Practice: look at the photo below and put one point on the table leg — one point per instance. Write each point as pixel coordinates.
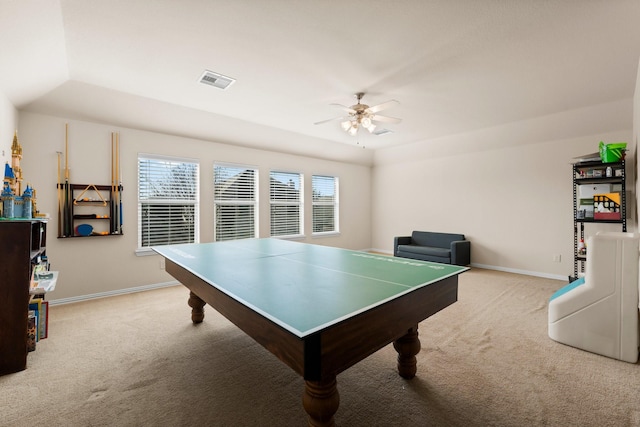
(407, 347)
(197, 308)
(321, 400)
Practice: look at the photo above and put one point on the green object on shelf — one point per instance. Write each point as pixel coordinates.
(611, 153)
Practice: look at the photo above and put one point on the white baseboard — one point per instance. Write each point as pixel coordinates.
(112, 293)
(524, 272)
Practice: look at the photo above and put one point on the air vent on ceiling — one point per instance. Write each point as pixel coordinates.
(216, 80)
(382, 131)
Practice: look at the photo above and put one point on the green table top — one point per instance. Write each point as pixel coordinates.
(302, 287)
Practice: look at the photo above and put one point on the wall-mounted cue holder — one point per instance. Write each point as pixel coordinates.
(93, 210)
(89, 209)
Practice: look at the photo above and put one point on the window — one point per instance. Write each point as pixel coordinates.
(325, 203)
(285, 201)
(236, 202)
(167, 200)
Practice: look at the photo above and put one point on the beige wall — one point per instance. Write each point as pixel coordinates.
(512, 198)
(97, 265)
(8, 125)
(636, 134)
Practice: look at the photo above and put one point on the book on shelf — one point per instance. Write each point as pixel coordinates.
(40, 309)
(34, 306)
(43, 328)
(31, 331)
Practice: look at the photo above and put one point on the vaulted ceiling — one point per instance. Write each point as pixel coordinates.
(454, 66)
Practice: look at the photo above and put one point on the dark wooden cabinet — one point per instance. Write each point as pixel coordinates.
(22, 242)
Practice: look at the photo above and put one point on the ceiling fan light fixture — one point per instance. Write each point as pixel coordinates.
(361, 115)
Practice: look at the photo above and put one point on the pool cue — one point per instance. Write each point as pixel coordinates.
(67, 200)
(112, 223)
(116, 194)
(59, 193)
(119, 177)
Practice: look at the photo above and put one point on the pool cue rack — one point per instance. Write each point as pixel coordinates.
(93, 205)
(86, 210)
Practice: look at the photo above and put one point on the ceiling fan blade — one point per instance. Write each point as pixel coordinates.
(330, 120)
(382, 106)
(386, 119)
(345, 108)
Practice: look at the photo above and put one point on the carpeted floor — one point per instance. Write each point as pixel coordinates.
(137, 360)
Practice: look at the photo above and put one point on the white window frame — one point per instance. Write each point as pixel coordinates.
(220, 201)
(281, 199)
(318, 183)
(160, 199)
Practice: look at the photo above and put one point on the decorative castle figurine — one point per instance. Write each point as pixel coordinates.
(14, 205)
(8, 199)
(16, 156)
(27, 206)
(9, 177)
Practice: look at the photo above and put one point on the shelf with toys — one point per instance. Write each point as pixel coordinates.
(599, 197)
(24, 230)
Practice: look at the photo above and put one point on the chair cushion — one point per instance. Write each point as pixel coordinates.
(440, 240)
(425, 250)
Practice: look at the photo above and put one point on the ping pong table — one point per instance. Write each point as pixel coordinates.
(319, 309)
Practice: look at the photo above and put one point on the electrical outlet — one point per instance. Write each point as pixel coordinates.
(557, 258)
(162, 263)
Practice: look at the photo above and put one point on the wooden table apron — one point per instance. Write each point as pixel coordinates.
(324, 354)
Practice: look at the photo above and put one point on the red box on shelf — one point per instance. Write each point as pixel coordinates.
(606, 215)
(606, 206)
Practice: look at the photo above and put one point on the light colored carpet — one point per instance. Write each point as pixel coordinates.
(137, 360)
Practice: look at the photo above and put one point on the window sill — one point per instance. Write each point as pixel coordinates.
(145, 252)
(325, 234)
(291, 237)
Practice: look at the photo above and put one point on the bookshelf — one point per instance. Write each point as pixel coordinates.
(22, 243)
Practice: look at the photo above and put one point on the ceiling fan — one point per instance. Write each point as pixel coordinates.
(361, 115)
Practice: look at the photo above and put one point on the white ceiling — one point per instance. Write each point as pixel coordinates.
(454, 65)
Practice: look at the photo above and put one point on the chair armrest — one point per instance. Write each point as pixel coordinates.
(400, 240)
(461, 252)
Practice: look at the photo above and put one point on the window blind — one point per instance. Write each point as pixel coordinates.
(235, 201)
(325, 203)
(167, 201)
(285, 203)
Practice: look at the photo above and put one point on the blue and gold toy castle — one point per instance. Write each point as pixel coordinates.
(15, 205)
